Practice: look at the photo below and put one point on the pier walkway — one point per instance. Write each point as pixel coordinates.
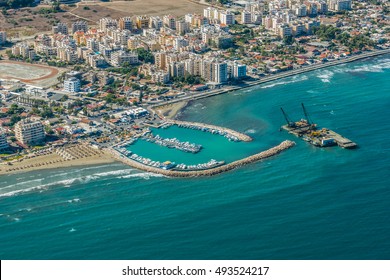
(208, 172)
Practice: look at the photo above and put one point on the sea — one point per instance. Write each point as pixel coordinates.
(305, 203)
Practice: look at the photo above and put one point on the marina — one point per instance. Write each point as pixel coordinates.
(173, 143)
(213, 167)
(309, 132)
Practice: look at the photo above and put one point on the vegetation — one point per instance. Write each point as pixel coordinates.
(188, 79)
(326, 32)
(16, 3)
(145, 56)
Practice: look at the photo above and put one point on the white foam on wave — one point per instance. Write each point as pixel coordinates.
(375, 67)
(74, 200)
(29, 182)
(122, 173)
(325, 76)
(295, 79)
(250, 131)
(16, 192)
(143, 175)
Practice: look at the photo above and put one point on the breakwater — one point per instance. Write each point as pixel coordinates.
(227, 132)
(209, 172)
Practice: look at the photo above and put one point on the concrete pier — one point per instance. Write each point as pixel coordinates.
(209, 172)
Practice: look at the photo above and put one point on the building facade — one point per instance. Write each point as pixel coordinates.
(29, 132)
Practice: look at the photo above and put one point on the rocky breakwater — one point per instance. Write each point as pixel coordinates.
(227, 132)
(208, 172)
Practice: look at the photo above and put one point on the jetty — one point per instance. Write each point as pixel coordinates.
(173, 143)
(207, 172)
(226, 132)
(308, 131)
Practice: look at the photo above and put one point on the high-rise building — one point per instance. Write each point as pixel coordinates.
(79, 26)
(60, 28)
(106, 23)
(29, 132)
(246, 17)
(3, 37)
(125, 23)
(220, 72)
(226, 17)
(3, 140)
(170, 21)
(72, 85)
(142, 22)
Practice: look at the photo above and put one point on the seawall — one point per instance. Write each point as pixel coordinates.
(209, 172)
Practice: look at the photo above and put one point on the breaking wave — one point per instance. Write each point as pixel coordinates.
(325, 76)
(295, 79)
(122, 173)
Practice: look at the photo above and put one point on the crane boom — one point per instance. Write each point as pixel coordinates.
(306, 114)
(289, 123)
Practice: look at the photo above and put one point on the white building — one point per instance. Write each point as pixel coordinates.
(79, 26)
(29, 132)
(120, 57)
(60, 28)
(236, 70)
(160, 77)
(72, 85)
(226, 17)
(220, 72)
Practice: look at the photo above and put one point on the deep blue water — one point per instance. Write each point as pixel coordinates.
(306, 203)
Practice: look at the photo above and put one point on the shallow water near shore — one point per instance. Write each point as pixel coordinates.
(306, 203)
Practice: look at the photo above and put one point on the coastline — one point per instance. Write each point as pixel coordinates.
(274, 77)
(52, 160)
(168, 110)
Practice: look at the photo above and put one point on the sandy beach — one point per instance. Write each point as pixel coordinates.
(52, 160)
(170, 110)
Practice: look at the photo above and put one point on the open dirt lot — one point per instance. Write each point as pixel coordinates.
(155, 7)
(29, 21)
(29, 73)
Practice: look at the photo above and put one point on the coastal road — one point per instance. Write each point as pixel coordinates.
(270, 78)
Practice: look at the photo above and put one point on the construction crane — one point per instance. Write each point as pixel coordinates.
(306, 115)
(289, 123)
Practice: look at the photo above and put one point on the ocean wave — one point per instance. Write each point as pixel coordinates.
(325, 76)
(295, 79)
(29, 182)
(74, 200)
(144, 175)
(377, 67)
(250, 131)
(20, 191)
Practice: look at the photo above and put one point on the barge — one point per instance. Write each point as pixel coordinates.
(309, 132)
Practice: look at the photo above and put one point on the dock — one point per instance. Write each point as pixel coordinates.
(309, 132)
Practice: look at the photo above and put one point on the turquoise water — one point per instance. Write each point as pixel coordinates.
(213, 147)
(306, 203)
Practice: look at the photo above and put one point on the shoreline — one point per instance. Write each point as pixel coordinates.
(52, 160)
(172, 109)
(271, 78)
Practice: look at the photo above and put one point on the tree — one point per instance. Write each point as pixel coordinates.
(288, 40)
